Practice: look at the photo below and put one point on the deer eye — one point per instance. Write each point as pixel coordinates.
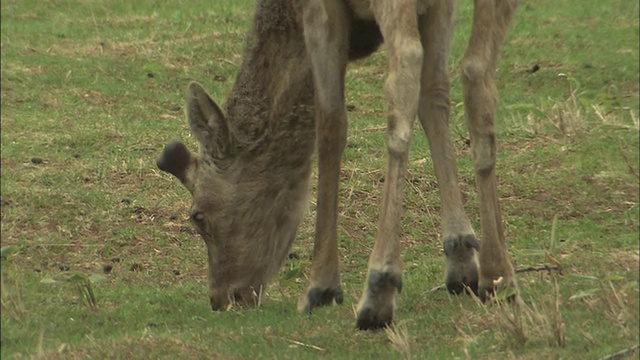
(198, 218)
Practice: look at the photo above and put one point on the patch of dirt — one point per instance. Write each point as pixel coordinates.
(623, 260)
(9, 163)
(94, 97)
(150, 345)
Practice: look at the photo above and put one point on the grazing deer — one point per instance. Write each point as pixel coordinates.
(249, 180)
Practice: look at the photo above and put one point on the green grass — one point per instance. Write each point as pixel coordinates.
(95, 89)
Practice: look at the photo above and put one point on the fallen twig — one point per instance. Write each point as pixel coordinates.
(306, 345)
(227, 61)
(374, 128)
(622, 353)
(538, 268)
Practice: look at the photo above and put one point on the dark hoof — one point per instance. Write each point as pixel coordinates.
(317, 297)
(466, 285)
(462, 272)
(368, 319)
(375, 310)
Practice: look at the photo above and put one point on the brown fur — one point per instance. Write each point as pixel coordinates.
(249, 181)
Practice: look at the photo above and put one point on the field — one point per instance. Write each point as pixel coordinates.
(99, 259)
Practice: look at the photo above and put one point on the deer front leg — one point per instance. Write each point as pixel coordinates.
(459, 241)
(491, 19)
(398, 23)
(325, 32)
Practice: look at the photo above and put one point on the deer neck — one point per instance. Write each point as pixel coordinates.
(270, 107)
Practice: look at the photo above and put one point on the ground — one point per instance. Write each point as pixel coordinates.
(99, 259)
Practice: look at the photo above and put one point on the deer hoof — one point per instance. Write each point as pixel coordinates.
(376, 307)
(371, 319)
(462, 270)
(316, 297)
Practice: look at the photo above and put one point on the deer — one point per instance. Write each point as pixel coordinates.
(249, 180)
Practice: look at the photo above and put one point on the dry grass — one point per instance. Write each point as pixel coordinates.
(145, 346)
(517, 323)
(11, 295)
(540, 322)
(568, 119)
(398, 335)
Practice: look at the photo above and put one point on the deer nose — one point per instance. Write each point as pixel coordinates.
(219, 303)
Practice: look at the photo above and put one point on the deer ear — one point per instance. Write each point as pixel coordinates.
(178, 161)
(208, 124)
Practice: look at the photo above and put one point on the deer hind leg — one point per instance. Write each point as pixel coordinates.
(399, 27)
(459, 241)
(326, 37)
(490, 21)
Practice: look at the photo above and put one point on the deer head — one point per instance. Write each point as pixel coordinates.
(245, 212)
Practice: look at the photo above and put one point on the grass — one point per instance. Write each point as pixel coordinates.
(99, 259)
